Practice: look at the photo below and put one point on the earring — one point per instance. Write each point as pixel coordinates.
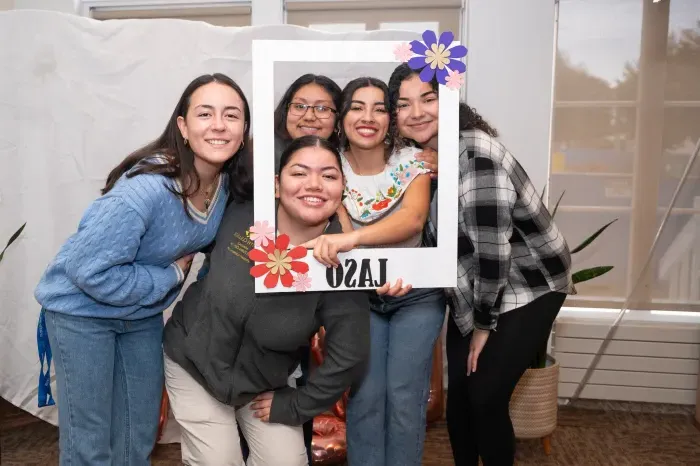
(242, 144)
(387, 140)
(185, 140)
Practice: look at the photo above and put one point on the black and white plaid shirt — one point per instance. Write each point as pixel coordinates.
(510, 250)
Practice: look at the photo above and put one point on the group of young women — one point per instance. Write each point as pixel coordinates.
(354, 169)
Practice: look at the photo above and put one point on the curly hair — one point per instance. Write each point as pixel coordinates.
(469, 118)
(178, 156)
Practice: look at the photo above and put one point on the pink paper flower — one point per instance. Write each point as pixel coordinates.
(302, 282)
(402, 52)
(261, 233)
(454, 79)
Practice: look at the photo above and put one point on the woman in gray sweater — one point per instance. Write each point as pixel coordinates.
(229, 352)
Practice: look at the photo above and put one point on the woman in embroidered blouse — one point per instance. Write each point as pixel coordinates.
(387, 196)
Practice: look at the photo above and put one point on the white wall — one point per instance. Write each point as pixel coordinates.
(64, 6)
(510, 75)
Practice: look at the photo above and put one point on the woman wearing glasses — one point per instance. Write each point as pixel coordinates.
(308, 107)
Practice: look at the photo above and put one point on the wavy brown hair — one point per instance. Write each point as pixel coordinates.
(176, 159)
(469, 118)
(348, 91)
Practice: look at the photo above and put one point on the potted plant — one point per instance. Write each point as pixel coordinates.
(12, 240)
(533, 406)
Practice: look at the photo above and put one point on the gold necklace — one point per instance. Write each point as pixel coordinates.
(207, 196)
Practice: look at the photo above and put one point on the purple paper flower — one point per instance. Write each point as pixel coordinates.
(436, 59)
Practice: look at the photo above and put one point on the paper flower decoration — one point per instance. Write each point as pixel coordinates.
(403, 52)
(454, 80)
(261, 233)
(277, 263)
(302, 282)
(435, 58)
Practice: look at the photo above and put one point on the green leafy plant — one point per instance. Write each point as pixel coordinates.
(584, 275)
(12, 240)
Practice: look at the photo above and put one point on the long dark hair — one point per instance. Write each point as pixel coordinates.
(469, 118)
(176, 159)
(282, 107)
(348, 91)
(308, 141)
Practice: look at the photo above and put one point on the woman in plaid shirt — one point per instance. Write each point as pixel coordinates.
(514, 273)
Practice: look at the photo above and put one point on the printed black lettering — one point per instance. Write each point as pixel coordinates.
(366, 274)
(351, 266)
(382, 273)
(334, 277)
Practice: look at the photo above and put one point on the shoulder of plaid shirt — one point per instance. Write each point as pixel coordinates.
(510, 251)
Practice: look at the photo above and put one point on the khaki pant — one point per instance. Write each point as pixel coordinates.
(209, 428)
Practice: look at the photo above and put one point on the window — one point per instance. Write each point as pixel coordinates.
(346, 15)
(415, 26)
(626, 119)
(339, 27)
(235, 15)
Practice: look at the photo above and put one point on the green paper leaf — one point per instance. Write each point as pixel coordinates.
(12, 240)
(554, 212)
(591, 238)
(589, 274)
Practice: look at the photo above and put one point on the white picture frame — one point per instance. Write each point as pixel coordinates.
(434, 267)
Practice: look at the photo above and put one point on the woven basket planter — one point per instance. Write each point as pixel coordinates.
(533, 406)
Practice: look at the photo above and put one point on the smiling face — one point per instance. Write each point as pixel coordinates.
(367, 120)
(214, 124)
(417, 110)
(309, 187)
(308, 123)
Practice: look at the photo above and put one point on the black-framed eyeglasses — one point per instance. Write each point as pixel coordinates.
(321, 111)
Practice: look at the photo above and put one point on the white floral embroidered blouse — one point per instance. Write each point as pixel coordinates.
(368, 198)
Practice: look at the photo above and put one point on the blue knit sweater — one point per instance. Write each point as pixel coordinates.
(120, 263)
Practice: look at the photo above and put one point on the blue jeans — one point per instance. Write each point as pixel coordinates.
(386, 413)
(109, 375)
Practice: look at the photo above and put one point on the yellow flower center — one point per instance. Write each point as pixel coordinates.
(279, 262)
(437, 56)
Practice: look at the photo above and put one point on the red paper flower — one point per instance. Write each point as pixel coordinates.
(278, 262)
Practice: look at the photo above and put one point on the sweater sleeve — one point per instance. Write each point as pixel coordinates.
(345, 317)
(100, 259)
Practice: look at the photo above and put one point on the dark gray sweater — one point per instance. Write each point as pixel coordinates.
(238, 344)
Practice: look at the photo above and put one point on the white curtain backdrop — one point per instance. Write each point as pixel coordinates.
(76, 96)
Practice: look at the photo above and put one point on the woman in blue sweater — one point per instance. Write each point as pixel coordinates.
(103, 294)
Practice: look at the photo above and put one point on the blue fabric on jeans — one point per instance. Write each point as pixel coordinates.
(45, 356)
(386, 413)
(109, 375)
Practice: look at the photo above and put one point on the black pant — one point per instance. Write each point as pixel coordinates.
(308, 426)
(477, 414)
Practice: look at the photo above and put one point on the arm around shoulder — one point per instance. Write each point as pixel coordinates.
(408, 221)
